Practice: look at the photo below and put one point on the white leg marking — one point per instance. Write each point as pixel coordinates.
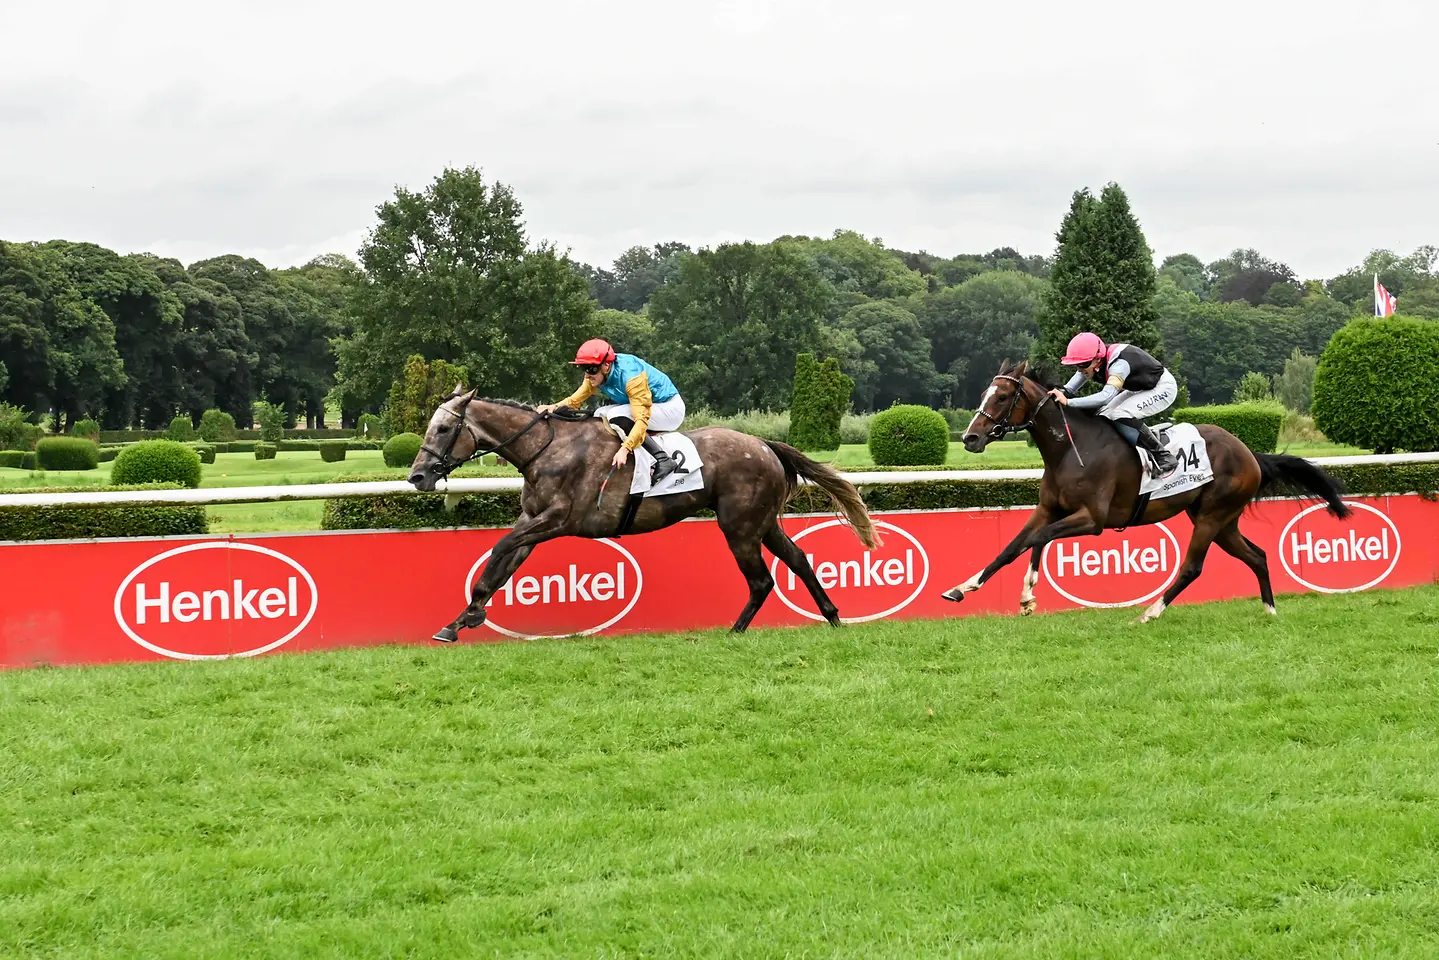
(1155, 609)
(1269, 608)
(1027, 602)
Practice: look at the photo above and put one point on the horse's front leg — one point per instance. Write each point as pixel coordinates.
(505, 559)
(1037, 520)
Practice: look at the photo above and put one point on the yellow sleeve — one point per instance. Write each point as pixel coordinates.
(579, 396)
(638, 389)
(1115, 382)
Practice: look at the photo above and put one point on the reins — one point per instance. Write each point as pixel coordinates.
(1003, 428)
(448, 463)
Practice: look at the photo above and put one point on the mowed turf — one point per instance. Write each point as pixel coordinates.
(1218, 784)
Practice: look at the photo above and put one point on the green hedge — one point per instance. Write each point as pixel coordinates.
(157, 461)
(217, 426)
(1377, 385)
(85, 523)
(1256, 424)
(67, 453)
(401, 449)
(411, 511)
(181, 429)
(265, 451)
(908, 435)
(206, 451)
(12, 458)
(333, 451)
(27, 462)
(89, 429)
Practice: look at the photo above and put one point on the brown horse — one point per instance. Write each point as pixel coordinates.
(1092, 480)
(569, 491)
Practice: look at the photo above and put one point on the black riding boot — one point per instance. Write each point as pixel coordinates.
(1165, 462)
(664, 466)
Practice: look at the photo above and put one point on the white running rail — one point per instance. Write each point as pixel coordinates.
(334, 491)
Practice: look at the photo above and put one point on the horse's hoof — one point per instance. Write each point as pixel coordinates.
(1027, 609)
(953, 593)
(446, 635)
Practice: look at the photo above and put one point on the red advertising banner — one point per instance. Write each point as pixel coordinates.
(209, 597)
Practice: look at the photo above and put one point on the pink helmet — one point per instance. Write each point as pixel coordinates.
(1083, 348)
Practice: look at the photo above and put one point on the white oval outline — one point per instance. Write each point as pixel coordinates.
(774, 572)
(639, 587)
(222, 545)
(1095, 604)
(1398, 548)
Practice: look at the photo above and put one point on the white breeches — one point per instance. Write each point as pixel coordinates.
(1142, 404)
(663, 416)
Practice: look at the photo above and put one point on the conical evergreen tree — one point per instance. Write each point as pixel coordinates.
(1103, 280)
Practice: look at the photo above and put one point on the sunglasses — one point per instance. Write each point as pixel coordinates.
(591, 368)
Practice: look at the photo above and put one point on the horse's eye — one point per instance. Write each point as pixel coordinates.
(445, 428)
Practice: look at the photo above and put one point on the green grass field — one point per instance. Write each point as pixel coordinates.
(1218, 784)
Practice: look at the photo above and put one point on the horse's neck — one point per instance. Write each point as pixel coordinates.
(498, 422)
(1056, 434)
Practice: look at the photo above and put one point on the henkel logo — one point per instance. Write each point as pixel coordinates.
(1115, 569)
(213, 600)
(567, 587)
(1331, 555)
(867, 584)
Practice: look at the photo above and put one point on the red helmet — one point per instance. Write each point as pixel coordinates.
(1082, 349)
(593, 351)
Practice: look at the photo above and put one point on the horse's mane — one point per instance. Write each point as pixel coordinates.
(517, 404)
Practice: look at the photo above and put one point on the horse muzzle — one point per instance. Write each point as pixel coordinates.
(975, 443)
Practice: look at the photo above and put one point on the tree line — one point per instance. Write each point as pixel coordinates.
(449, 274)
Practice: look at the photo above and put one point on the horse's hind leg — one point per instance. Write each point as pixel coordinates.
(751, 564)
(1027, 603)
(1206, 528)
(1234, 543)
(793, 557)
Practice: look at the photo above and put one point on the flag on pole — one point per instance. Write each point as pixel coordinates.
(1385, 303)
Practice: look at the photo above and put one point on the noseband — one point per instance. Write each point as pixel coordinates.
(1002, 427)
(448, 462)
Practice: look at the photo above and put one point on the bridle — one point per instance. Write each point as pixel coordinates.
(1002, 427)
(448, 462)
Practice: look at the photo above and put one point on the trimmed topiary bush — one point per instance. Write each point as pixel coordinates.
(206, 451)
(217, 426)
(265, 451)
(27, 460)
(401, 449)
(157, 461)
(181, 429)
(12, 458)
(332, 451)
(1256, 424)
(1377, 385)
(821, 394)
(908, 435)
(88, 429)
(67, 453)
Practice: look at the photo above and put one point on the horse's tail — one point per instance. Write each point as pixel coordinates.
(1280, 470)
(828, 479)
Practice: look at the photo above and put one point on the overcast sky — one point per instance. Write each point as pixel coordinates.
(1307, 130)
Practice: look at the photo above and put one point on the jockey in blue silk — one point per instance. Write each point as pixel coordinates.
(642, 399)
(1135, 386)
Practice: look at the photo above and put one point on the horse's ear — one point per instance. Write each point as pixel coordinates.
(459, 388)
(1004, 367)
(1022, 369)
